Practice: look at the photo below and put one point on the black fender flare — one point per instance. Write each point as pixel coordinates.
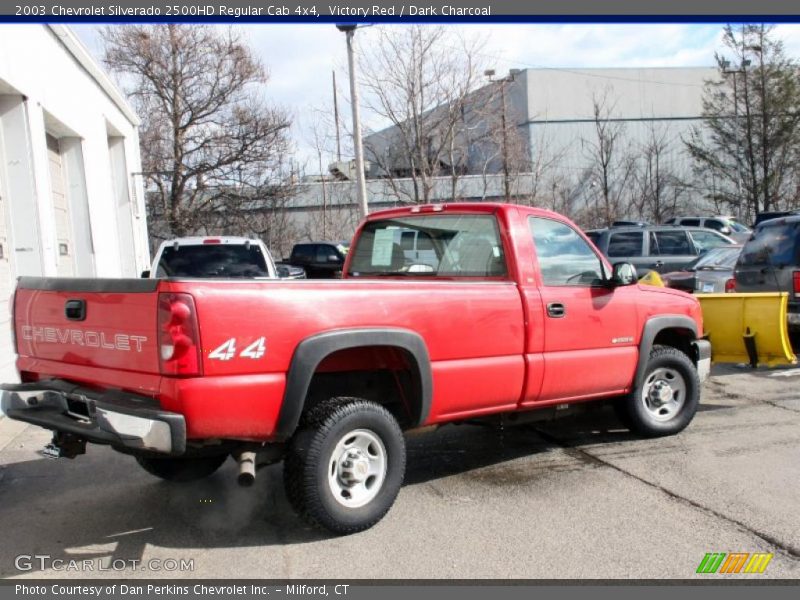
(652, 328)
(311, 351)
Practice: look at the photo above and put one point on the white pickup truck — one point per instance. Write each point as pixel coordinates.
(218, 257)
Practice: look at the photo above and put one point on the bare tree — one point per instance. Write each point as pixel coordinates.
(746, 152)
(611, 165)
(419, 78)
(658, 190)
(211, 145)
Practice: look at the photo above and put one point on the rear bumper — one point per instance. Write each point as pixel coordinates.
(123, 420)
(702, 350)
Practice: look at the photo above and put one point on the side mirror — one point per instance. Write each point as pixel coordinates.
(333, 258)
(146, 274)
(282, 271)
(725, 231)
(623, 273)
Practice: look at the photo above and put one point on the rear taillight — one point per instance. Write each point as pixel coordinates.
(178, 335)
(796, 281)
(212, 241)
(730, 285)
(13, 310)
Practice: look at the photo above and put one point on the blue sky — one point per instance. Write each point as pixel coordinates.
(300, 57)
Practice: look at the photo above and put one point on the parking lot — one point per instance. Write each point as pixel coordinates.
(579, 498)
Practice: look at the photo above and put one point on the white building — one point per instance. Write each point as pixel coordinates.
(553, 111)
(71, 198)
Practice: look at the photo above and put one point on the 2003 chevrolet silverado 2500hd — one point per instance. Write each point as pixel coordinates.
(509, 313)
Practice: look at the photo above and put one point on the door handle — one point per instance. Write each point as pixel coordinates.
(556, 310)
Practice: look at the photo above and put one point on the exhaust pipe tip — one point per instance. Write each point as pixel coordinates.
(246, 479)
(247, 469)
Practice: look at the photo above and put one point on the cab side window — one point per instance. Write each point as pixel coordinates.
(565, 258)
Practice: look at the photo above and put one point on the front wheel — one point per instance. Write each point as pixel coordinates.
(666, 400)
(345, 467)
(181, 470)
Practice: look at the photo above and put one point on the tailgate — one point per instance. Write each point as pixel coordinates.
(106, 323)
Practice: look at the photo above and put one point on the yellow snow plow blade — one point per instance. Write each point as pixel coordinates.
(652, 278)
(747, 328)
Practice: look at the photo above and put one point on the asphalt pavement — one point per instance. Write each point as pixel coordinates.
(575, 498)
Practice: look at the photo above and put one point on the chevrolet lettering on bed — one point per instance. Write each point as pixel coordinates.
(92, 339)
(445, 313)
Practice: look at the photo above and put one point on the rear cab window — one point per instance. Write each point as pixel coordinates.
(446, 246)
(303, 252)
(776, 246)
(212, 261)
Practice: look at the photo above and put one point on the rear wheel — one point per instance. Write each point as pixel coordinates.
(666, 400)
(345, 467)
(181, 469)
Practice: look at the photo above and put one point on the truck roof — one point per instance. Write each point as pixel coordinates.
(215, 239)
(474, 207)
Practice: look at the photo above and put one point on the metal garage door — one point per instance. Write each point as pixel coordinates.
(64, 242)
(6, 289)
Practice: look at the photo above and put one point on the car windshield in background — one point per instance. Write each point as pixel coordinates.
(738, 227)
(775, 245)
(430, 245)
(212, 260)
(718, 258)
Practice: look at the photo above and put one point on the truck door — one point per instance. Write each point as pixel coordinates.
(589, 328)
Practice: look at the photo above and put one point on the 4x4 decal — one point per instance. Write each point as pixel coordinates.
(227, 350)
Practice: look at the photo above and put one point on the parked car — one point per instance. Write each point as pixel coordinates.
(725, 225)
(661, 248)
(711, 272)
(770, 262)
(289, 272)
(213, 257)
(777, 214)
(520, 319)
(321, 260)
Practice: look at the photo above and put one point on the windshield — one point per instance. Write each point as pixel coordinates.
(718, 258)
(212, 260)
(773, 245)
(430, 245)
(738, 227)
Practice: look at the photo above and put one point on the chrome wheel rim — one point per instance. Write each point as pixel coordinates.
(357, 468)
(664, 393)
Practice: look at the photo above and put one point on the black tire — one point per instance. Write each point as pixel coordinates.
(671, 373)
(181, 470)
(317, 468)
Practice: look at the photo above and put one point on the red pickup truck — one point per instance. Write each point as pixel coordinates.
(496, 311)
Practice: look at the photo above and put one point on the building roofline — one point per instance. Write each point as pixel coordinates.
(75, 47)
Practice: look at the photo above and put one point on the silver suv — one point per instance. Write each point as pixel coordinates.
(770, 262)
(662, 248)
(725, 225)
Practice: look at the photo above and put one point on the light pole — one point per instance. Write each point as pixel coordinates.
(489, 73)
(726, 70)
(361, 183)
